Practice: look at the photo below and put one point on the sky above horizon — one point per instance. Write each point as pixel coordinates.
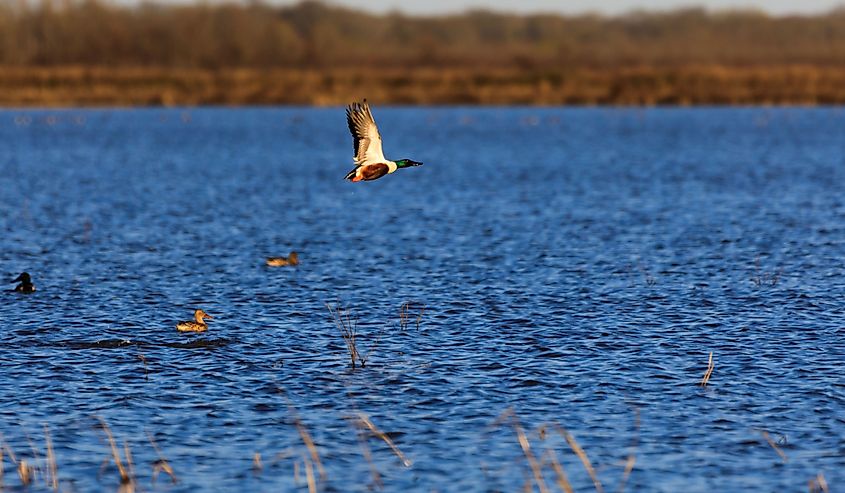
(779, 7)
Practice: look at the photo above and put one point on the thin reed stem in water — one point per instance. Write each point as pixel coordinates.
(161, 463)
(365, 420)
(819, 484)
(308, 441)
(51, 461)
(710, 366)
(562, 478)
(368, 456)
(348, 327)
(573, 444)
(774, 446)
(309, 475)
(124, 475)
(23, 469)
(632, 458)
(522, 438)
(146, 370)
(257, 466)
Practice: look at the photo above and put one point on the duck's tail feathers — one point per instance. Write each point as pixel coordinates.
(349, 176)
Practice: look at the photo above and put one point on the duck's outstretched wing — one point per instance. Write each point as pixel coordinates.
(365, 137)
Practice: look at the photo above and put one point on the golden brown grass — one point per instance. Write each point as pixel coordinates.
(562, 479)
(533, 463)
(774, 445)
(818, 484)
(549, 456)
(366, 422)
(632, 457)
(52, 467)
(126, 473)
(710, 366)
(312, 450)
(29, 470)
(407, 310)
(368, 456)
(161, 464)
(644, 85)
(582, 456)
(309, 465)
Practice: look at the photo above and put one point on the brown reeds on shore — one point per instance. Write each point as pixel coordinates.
(684, 85)
(96, 52)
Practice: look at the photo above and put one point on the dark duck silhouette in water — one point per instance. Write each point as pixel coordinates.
(25, 285)
(195, 325)
(370, 163)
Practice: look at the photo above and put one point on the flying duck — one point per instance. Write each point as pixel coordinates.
(370, 163)
(291, 259)
(25, 285)
(195, 325)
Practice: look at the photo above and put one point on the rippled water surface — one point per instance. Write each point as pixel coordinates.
(576, 266)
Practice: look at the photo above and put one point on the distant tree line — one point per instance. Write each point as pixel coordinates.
(255, 35)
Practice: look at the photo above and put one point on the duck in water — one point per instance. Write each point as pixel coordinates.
(291, 259)
(370, 163)
(195, 325)
(25, 285)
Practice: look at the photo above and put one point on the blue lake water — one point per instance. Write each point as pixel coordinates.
(577, 266)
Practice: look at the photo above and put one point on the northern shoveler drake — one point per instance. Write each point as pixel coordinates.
(25, 285)
(291, 259)
(370, 163)
(195, 325)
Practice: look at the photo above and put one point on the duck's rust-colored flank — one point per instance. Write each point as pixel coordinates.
(292, 259)
(374, 171)
(195, 325)
(371, 172)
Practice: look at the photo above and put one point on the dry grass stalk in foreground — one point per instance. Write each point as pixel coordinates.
(309, 475)
(582, 456)
(368, 456)
(710, 367)
(161, 464)
(364, 420)
(773, 445)
(52, 468)
(533, 463)
(819, 484)
(632, 458)
(562, 478)
(126, 476)
(312, 449)
(26, 472)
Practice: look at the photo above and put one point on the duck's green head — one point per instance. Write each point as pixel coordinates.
(406, 163)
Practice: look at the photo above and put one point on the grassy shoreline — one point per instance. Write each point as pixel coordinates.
(643, 86)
